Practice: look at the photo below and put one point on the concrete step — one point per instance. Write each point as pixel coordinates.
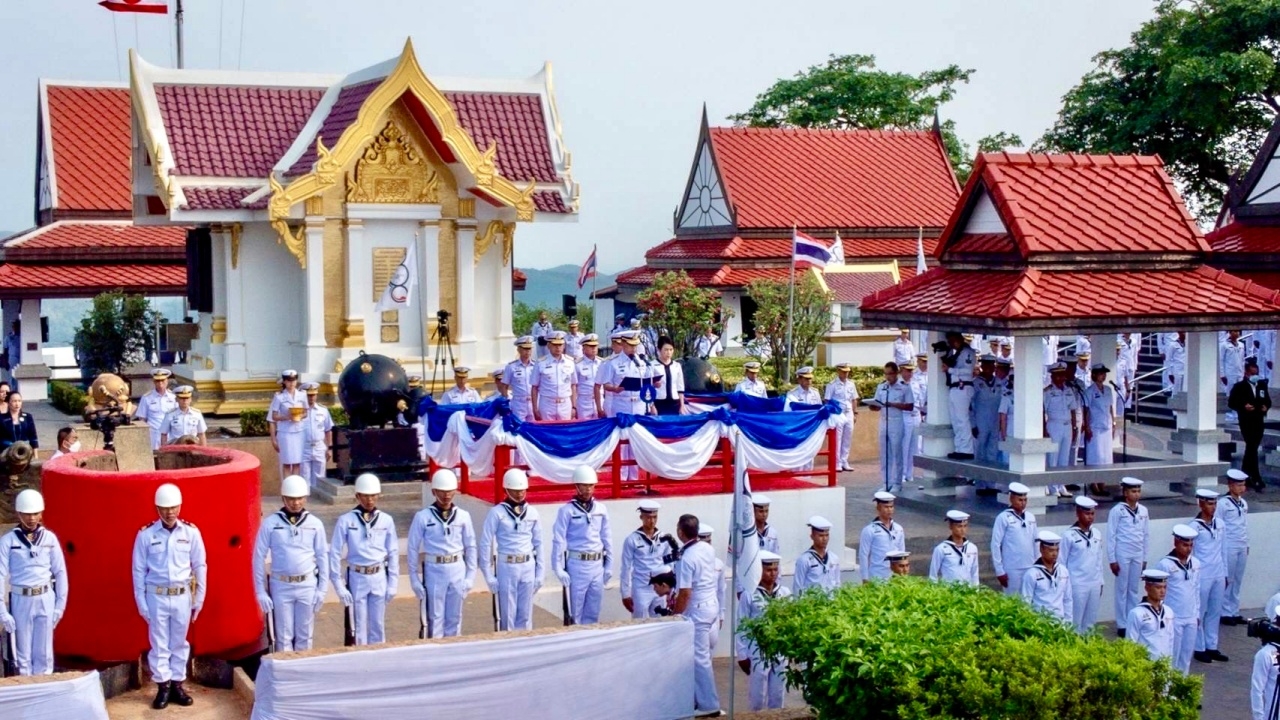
(330, 491)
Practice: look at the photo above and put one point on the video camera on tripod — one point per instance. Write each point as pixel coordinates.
(442, 326)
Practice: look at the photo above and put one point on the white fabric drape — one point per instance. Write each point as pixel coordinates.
(767, 460)
(550, 467)
(642, 671)
(80, 698)
(679, 460)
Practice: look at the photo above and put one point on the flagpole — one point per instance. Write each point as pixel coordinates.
(735, 541)
(422, 314)
(177, 21)
(594, 274)
(791, 307)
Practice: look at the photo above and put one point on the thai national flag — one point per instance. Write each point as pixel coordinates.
(135, 6)
(588, 270)
(810, 252)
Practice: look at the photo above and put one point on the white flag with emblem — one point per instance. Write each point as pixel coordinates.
(399, 291)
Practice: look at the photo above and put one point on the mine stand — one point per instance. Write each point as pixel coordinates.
(380, 437)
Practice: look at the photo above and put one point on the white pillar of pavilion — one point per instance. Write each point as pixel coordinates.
(936, 431)
(1026, 444)
(32, 374)
(1198, 431)
(315, 349)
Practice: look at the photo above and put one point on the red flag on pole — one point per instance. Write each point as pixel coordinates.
(136, 6)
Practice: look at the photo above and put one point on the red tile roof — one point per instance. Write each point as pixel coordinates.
(516, 123)
(221, 131)
(777, 178)
(885, 247)
(1265, 278)
(852, 287)
(549, 201)
(1084, 204)
(740, 248)
(220, 198)
(88, 280)
(344, 111)
(91, 140)
(644, 275)
(70, 234)
(1237, 238)
(725, 276)
(984, 243)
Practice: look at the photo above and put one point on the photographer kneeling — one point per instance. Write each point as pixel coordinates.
(1263, 693)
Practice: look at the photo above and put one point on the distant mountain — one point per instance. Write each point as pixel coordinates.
(546, 286)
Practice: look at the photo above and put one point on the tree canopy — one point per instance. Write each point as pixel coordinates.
(1197, 85)
(809, 323)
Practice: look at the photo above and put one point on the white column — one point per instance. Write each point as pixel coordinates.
(938, 438)
(236, 358)
(505, 335)
(1198, 431)
(315, 349)
(464, 327)
(12, 309)
(1026, 443)
(32, 374)
(357, 324)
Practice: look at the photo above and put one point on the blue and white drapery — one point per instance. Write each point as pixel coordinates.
(674, 447)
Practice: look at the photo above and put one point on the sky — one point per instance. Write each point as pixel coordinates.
(630, 78)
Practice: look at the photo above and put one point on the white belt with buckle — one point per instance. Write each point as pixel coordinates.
(442, 559)
(31, 591)
(292, 578)
(366, 569)
(517, 559)
(586, 556)
(170, 591)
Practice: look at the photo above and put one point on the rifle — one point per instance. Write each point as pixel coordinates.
(349, 618)
(424, 610)
(497, 610)
(9, 655)
(564, 599)
(271, 621)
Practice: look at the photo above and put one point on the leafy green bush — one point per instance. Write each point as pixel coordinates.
(253, 423)
(68, 398)
(339, 415)
(866, 378)
(911, 649)
(117, 330)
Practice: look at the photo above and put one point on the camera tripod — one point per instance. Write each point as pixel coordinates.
(444, 351)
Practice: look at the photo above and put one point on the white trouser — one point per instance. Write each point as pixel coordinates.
(1184, 643)
(522, 408)
(1060, 434)
(369, 605)
(294, 613)
(767, 686)
(891, 432)
(314, 464)
(586, 585)
(168, 617)
(958, 400)
(445, 592)
(844, 439)
(705, 696)
(987, 447)
(1211, 592)
(515, 594)
(33, 616)
(910, 437)
(552, 408)
(587, 409)
(155, 437)
(1128, 588)
(641, 597)
(1015, 580)
(1085, 600)
(1236, 558)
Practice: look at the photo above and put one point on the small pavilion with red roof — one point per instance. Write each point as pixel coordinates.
(882, 191)
(1074, 244)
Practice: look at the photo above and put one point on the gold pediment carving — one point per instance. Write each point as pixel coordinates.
(494, 233)
(393, 170)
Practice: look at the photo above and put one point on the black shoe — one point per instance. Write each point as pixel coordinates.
(162, 696)
(1120, 633)
(179, 696)
(1202, 656)
(960, 456)
(1216, 655)
(1233, 620)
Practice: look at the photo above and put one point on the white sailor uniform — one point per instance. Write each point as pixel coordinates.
(985, 418)
(518, 376)
(154, 408)
(1082, 554)
(443, 546)
(315, 458)
(288, 432)
(845, 393)
(586, 370)
(911, 437)
(1128, 538)
(33, 588)
(1262, 682)
(1013, 546)
(954, 563)
(1183, 597)
(959, 396)
(1152, 629)
(164, 563)
(554, 381)
(1233, 513)
(511, 556)
(1213, 579)
(1048, 590)
(582, 555)
(768, 683)
(814, 571)
(370, 547)
(876, 541)
(180, 424)
(299, 576)
(641, 559)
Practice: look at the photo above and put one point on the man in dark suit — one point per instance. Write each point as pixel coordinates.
(1251, 401)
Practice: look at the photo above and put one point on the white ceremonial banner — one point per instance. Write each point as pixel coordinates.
(79, 697)
(641, 671)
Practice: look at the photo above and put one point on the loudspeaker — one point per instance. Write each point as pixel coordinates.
(200, 269)
(569, 305)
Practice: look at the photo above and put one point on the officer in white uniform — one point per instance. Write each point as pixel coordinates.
(582, 548)
(317, 437)
(1175, 362)
(959, 364)
(573, 341)
(1049, 355)
(1128, 541)
(608, 372)
(1233, 512)
(294, 590)
(285, 418)
(1082, 554)
(460, 393)
(642, 553)
(955, 559)
(183, 420)
(767, 684)
(878, 538)
(621, 379)
(913, 420)
(1231, 355)
(555, 383)
(895, 403)
(1013, 540)
(1046, 585)
(441, 553)
(751, 384)
(1264, 691)
(1213, 575)
(366, 539)
(517, 376)
(1153, 623)
(804, 392)
(903, 350)
(1183, 594)
(539, 333)
(845, 393)
(167, 555)
(511, 553)
(156, 405)
(984, 411)
(704, 536)
(816, 567)
(1061, 404)
(33, 581)
(587, 368)
(697, 585)
(1099, 417)
(499, 390)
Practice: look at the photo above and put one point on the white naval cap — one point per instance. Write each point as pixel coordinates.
(957, 516)
(895, 556)
(1207, 494)
(1017, 488)
(524, 341)
(1047, 537)
(817, 522)
(1086, 503)
(769, 557)
(1185, 532)
(1130, 482)
(1154, 576)
(660, 570)
(648, 506)
(1234, 475)
(705, 530)
(884, 497)
(760, 500)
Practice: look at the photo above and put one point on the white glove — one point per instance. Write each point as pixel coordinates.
(467, 585)
(264, 602)
(317, 604)
(419, 590)
(391, 595)
(564, 577)
(57, 616)
(7, 622)
(492, 582)
(607, 577)
(142, 610)
(345, 596)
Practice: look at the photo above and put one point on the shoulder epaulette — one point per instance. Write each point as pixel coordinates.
(187, 522)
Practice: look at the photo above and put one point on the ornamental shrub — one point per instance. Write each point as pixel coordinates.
(253, 423)
(678, 308)
(68, 398)
(910, 649)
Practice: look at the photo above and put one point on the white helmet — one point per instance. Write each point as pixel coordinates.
(515, 479)
(168, 495)
(29, 502)
(294, 486)
(584, 475)
(444, 479)
(368, 484)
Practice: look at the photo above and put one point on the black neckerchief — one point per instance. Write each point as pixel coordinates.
(1159, 616)
(445, 518)
(587, 508)
(1133, 512)
(771, 594)
(1238, 503)
(294, 519)
(1021, 517)
(1051, 576)
(764, 532)
(888, 529)
(822, 560)
(1208, 527)
(647, 539)
(360, 515)
(515, 509)
(1186, 569)
(959, 549)
(1086, 536)
(30, 540)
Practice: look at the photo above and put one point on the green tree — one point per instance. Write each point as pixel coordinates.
(524, 315)
(810, 322)
(119, 329)
(1000, 141)
(1197, 86)
(850, 93)
(681, 310)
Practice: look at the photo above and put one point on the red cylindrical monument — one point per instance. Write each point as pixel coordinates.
(97, 514)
